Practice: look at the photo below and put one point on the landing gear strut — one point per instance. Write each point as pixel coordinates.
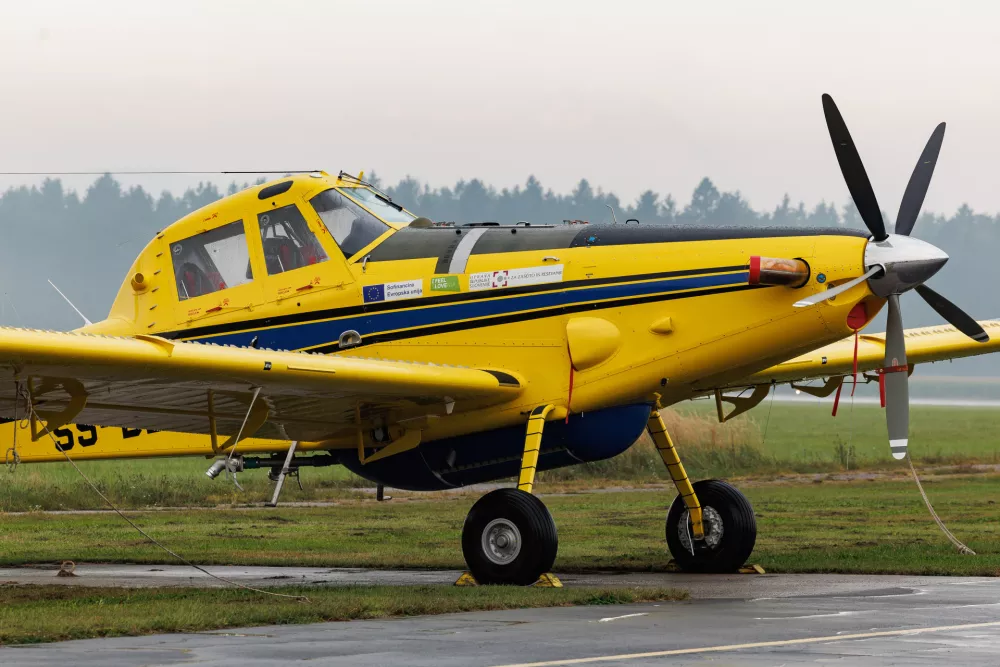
(710, 525)
(509, 536)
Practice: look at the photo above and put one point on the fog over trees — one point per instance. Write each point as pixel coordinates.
(85, 242)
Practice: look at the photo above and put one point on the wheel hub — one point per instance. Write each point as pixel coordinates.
(501, 541)
(713, 528)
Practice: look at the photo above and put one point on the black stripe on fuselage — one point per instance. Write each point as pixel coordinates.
(451, 327)
(361, 309)
(438, 242)
(604, 235)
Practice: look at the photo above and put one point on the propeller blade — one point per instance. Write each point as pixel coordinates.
(813, 299)
(896, 373)
(955, 316)
(920, 179)
(853, 170)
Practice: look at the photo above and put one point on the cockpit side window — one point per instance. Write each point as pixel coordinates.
(211, 261)
(288, 242)
(351, 226)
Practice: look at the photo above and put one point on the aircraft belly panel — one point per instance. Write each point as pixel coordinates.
(496, 454)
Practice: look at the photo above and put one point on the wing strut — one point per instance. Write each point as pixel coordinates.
(256, 423)
(284, 473)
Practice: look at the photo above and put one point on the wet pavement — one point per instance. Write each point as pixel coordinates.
(737, 619)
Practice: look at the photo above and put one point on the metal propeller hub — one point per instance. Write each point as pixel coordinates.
(906, 262)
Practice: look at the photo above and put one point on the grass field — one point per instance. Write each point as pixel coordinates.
(857, 526)
(874, 524)
(805, 437)
(30, 614)
(796, 438)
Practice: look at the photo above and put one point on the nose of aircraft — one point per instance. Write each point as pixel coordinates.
(906, 262)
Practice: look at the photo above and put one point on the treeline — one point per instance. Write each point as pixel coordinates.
(86, 242)
(971, 239)
(475, 201)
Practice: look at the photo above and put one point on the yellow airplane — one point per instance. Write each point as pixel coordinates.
(314, 315)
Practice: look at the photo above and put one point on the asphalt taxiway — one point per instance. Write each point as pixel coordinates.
(738, 619)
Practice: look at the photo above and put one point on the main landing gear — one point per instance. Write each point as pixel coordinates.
(509, 536)
(710, 525)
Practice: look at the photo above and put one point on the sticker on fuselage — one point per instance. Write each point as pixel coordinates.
(533, 275)
(403, 289)
(445, 284)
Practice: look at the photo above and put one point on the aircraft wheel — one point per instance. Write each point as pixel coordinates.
(730, 529)
(509, 537)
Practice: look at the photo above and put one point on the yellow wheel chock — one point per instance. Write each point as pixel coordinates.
(547, 580)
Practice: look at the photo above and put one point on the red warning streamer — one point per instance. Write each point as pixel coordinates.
(854, 368)
(569, 399)
(854, 377)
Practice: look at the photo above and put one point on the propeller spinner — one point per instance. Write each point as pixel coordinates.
(895, 263)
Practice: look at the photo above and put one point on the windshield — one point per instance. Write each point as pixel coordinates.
(377, 205)
(351, 226)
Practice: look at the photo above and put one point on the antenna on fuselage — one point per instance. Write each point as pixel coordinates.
(13, 307)
(86, 321)
(613, 216)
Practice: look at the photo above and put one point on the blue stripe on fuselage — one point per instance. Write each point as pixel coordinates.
(312, 334)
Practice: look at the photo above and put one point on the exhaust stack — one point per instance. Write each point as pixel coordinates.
(777, 271)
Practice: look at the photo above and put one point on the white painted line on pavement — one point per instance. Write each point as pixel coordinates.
(736, 647)
(615, 618)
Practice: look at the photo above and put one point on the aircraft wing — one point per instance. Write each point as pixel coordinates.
(924, 345)
(153, 383)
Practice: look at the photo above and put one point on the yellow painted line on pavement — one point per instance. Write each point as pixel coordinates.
(737, 647)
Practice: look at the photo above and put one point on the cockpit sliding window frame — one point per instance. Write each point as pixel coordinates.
(364, 252)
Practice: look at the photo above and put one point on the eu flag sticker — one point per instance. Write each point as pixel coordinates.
(374, 293)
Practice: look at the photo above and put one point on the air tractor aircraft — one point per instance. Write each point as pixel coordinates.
(313, 321)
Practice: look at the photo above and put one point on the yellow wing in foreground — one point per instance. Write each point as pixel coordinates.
(152, 383)
(922, 346)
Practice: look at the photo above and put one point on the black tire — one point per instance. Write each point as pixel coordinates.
(731, 550)
(494, 515)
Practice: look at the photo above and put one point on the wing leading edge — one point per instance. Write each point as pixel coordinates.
(925, 345)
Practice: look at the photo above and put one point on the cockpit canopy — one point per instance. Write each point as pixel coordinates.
(217, 259)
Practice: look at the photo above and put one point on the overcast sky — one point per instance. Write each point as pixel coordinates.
(631, 95)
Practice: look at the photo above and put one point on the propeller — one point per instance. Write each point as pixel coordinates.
(853, 170)
(895, 263)
(920, 179)
(952, 313)
(897, 389)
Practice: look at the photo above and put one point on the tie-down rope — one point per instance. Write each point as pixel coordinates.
(962, 549)
(142, 532)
